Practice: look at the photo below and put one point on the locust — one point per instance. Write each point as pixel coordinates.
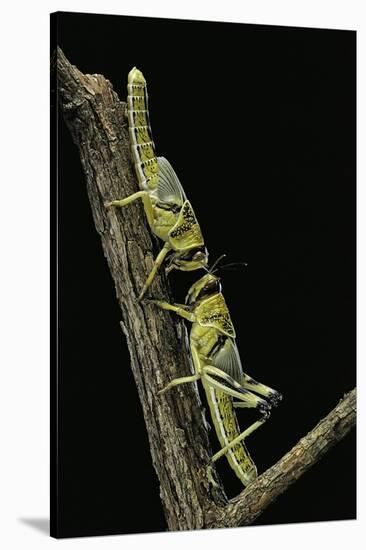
(217, 364)
(169, 214)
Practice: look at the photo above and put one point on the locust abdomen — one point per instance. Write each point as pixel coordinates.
(227, 429)
(142, 144)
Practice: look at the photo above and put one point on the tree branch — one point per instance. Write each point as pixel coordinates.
(251, 502)
(175, 422)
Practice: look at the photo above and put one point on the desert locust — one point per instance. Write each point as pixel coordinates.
(217, 364)
(169, 213)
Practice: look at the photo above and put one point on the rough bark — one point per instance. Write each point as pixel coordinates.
(245, 508)
(175, 422)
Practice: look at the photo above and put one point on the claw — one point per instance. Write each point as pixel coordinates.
(210, 476)
(165, 389)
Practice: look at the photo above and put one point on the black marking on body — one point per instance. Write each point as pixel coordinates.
(141, 130)
(189, 222)
(148, 114)
(222, 318)
(220, 342)
(170, 206)
(228, 384)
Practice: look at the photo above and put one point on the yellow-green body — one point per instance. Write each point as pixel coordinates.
(223, 415)
(170, 215)
(217, 364)
(168, 224)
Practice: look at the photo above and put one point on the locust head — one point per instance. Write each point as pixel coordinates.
(196, 258)
(209, 284)
(206, 286)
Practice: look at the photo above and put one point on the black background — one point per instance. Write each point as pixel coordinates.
(259, 124)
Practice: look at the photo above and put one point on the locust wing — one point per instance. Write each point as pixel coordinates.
(170, 190)
(228, 360)
(186, 233)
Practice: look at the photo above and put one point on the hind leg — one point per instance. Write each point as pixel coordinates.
(250, 384)
(225, 383)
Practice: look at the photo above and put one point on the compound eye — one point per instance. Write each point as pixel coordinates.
(199, 256)
(212, 287)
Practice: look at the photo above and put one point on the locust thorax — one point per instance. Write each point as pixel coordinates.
(206, 286)
(196, 258)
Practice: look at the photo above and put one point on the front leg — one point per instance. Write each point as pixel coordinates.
(179, 381)
(157, 263)
(177, 308)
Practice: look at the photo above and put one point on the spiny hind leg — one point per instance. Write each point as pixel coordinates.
(157, 263)
(220, 380)
(240, 438)
(144, 195)
(225, 383)
(250, 384)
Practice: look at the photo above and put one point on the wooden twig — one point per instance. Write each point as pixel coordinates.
(175, 422)
(251, 502)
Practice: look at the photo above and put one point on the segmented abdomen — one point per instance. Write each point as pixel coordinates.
(142, 144)
(227, 429)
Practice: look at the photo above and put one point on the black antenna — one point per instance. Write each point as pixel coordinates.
(216, 262)
(229, 266)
